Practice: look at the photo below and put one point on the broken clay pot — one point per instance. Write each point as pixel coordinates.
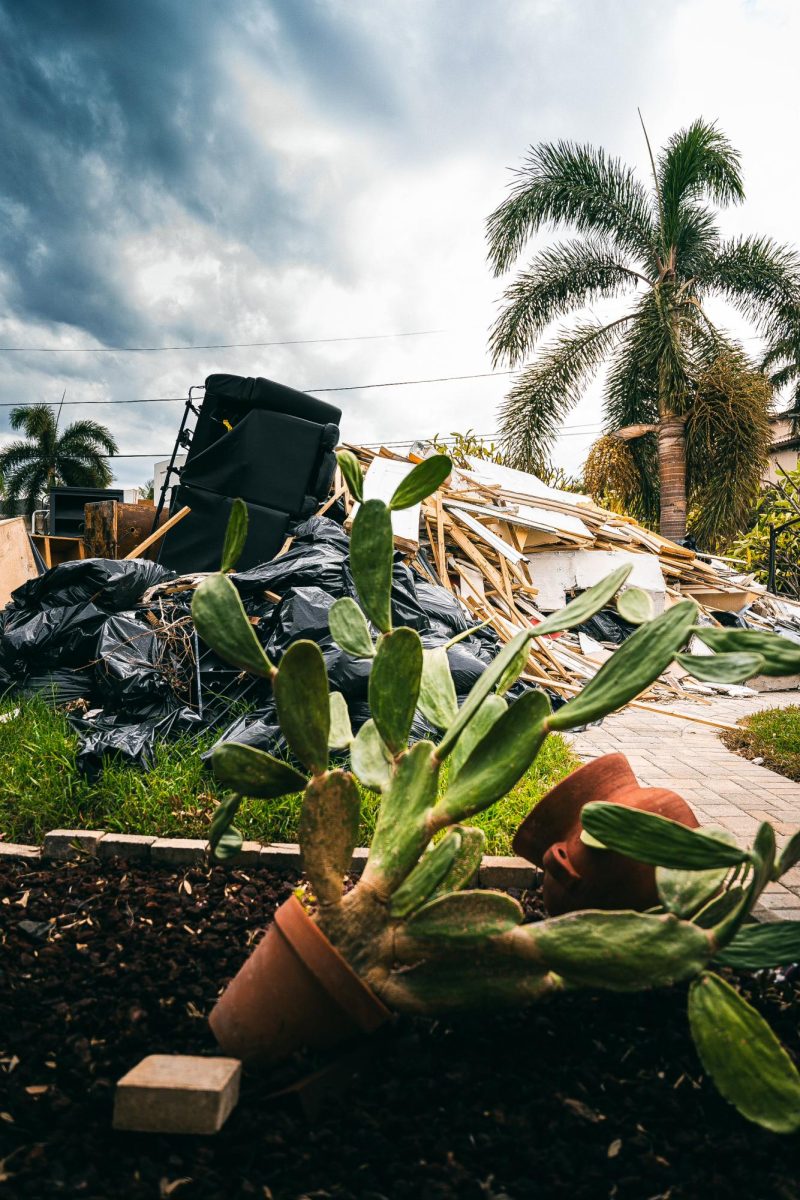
(577, 876)
(295, 990)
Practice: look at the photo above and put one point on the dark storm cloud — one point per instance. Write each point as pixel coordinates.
(110, 111)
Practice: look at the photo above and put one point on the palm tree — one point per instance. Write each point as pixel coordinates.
(782, 364)
(661, 246)
(75, 458)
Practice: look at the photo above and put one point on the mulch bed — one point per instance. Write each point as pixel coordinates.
(588, 1096)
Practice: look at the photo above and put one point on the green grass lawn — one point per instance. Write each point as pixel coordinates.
(41, 789)
(773, 735)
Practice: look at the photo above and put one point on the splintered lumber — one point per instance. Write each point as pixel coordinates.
(511, 549)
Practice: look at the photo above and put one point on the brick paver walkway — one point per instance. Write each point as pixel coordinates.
(723, 788)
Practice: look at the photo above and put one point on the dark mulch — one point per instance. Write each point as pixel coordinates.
(588, 1096)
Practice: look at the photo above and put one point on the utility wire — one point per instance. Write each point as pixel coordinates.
(366, 337)
(571, 432)
(355, 387)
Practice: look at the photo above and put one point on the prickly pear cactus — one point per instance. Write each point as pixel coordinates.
(412, 926)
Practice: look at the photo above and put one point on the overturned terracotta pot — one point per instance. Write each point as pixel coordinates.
(578, 876)
(294, 990)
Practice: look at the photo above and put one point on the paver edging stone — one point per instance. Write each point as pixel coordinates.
(64, 844)
(499, 871)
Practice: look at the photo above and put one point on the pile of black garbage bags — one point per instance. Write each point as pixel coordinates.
(115, 646)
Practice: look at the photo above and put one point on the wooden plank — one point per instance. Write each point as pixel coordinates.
(497, 543)
(472, 552)
(159, 533)
(17, 563)
(437, 500)
(56, 550)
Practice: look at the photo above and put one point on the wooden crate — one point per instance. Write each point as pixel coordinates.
(57, 550)
(114, 529)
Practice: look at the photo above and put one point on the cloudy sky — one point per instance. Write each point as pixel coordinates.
(186, 173)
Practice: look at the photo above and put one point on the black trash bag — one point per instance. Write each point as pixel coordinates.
(607, 626)
(110, 584)
(65, 636)
(115, 736)
(302, 613)
(443, 611)
(348, 675)
(465, 667)
(317, 558)
(135, 668)
(259, 729)
(223, 686)
(59, 687)
(731, 620)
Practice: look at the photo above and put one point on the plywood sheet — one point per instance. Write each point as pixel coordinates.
(17, 563)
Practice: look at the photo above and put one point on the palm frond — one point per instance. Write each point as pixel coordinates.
(781, 364)
(27, 485)
(37, 420)
(631, 386)
(15, 455)
(761, 279)
(697, 162)
(611, 474)
(696, 239)
(563, 183)
(544, 392)
(565, 276)
(728, 435)
(84, 471)
(89, 433)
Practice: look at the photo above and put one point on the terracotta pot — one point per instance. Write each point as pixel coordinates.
(578, 876)
(294, 990)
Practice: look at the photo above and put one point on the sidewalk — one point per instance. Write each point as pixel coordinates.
(722, 788)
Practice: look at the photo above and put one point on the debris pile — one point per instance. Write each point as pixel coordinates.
(513, 549)
(491, 552)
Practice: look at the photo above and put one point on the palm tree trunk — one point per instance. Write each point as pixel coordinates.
(672, 475)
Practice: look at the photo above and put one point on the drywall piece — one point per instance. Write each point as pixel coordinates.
(725, 601)
(471, 582)
(521, 483)
(492, 539)
(382, 478)
(547, 520)
(558, 573)
(17, 563)
(771, 683)
(540, 526)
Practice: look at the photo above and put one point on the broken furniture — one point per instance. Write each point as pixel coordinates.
(264, 443)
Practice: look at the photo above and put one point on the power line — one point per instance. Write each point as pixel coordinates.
(354, 387)
(363, 387)
(568, 431)
(84, 403)
(366, 337)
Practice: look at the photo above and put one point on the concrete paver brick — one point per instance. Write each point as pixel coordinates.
(13, 850)
(178, 852)
(132, 846)
(63, 844)
(177, 1093)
